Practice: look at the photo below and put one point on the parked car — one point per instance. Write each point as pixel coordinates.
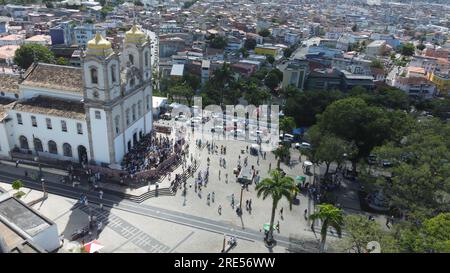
(303, 145)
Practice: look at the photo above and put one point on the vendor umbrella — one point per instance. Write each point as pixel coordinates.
(266, 226)
(300, 178)
(93, 246)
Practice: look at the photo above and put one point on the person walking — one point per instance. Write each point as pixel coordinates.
(250, 204)
(306, 214)
(278, 226)
(270, 166)
(246, 204)
(219, 210)
(17, 163)
(281, 212)
(212, 197)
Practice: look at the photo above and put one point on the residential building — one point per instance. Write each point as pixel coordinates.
(85, 33)
(376, 48)
(267, 50)
(295, 74)
(12, 39)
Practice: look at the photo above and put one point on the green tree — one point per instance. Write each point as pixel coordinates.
(183, 90)
(433, 236)
(304, 106)
(277, 187)
(270, 59)
(407, 49)
(330, 216)
(326, 148)
(281, 153)
(360, 231)
(420, 185)
(257, 96)
(354, 121)
(17, 184)
(218, 42)
(250, 43)
(29, 53)
(272, 81)
(244, 52)
(377, 64)
(287, 124)
(264, 32)
(192, 80)
(287, 52)
(420, 46)
(62, 61)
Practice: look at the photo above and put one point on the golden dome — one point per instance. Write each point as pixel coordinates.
(134, 35)
(99, 46)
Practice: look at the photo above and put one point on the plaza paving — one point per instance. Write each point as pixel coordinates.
(135, 231)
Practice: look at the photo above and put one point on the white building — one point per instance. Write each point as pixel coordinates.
(85, 33)
(97, 112)
(24, 230)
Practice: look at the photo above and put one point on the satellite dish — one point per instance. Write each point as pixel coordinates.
(373, 247)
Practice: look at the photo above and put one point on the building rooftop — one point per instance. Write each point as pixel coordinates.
(12, 37)
(8, 52)
(23, 217)
(9, 83)
(56, 77)
(177, 70)
(52, 106)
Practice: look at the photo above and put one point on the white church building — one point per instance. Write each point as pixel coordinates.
(95, 113)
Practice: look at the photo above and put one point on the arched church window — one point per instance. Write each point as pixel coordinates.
(23, 142)
(38, 145)
(113, 73)
(131, 58)
(67, 149)
(94, 76)
(133, 111)
(52, 147)
(117, 124)
(139, 108)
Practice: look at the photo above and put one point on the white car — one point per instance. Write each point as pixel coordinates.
(304, 145)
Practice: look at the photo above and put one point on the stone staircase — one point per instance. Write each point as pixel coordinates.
(168, 191)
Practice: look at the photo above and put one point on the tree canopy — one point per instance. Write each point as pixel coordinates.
(407, 49)
(29, 53)
(250, 43)
(264, 32)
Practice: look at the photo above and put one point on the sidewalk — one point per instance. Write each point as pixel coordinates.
(53, 175)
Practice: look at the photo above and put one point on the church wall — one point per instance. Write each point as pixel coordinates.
(99, 131)
(45, 135)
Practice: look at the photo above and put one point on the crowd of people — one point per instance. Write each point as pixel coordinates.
(148, 153)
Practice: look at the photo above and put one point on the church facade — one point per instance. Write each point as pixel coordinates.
(95, 113)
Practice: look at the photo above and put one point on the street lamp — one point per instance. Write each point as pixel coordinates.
(43, 185)
(36, 159)
(240, 203)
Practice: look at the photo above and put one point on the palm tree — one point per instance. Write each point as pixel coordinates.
(280, 153)
(330, 217)
(277, 186)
